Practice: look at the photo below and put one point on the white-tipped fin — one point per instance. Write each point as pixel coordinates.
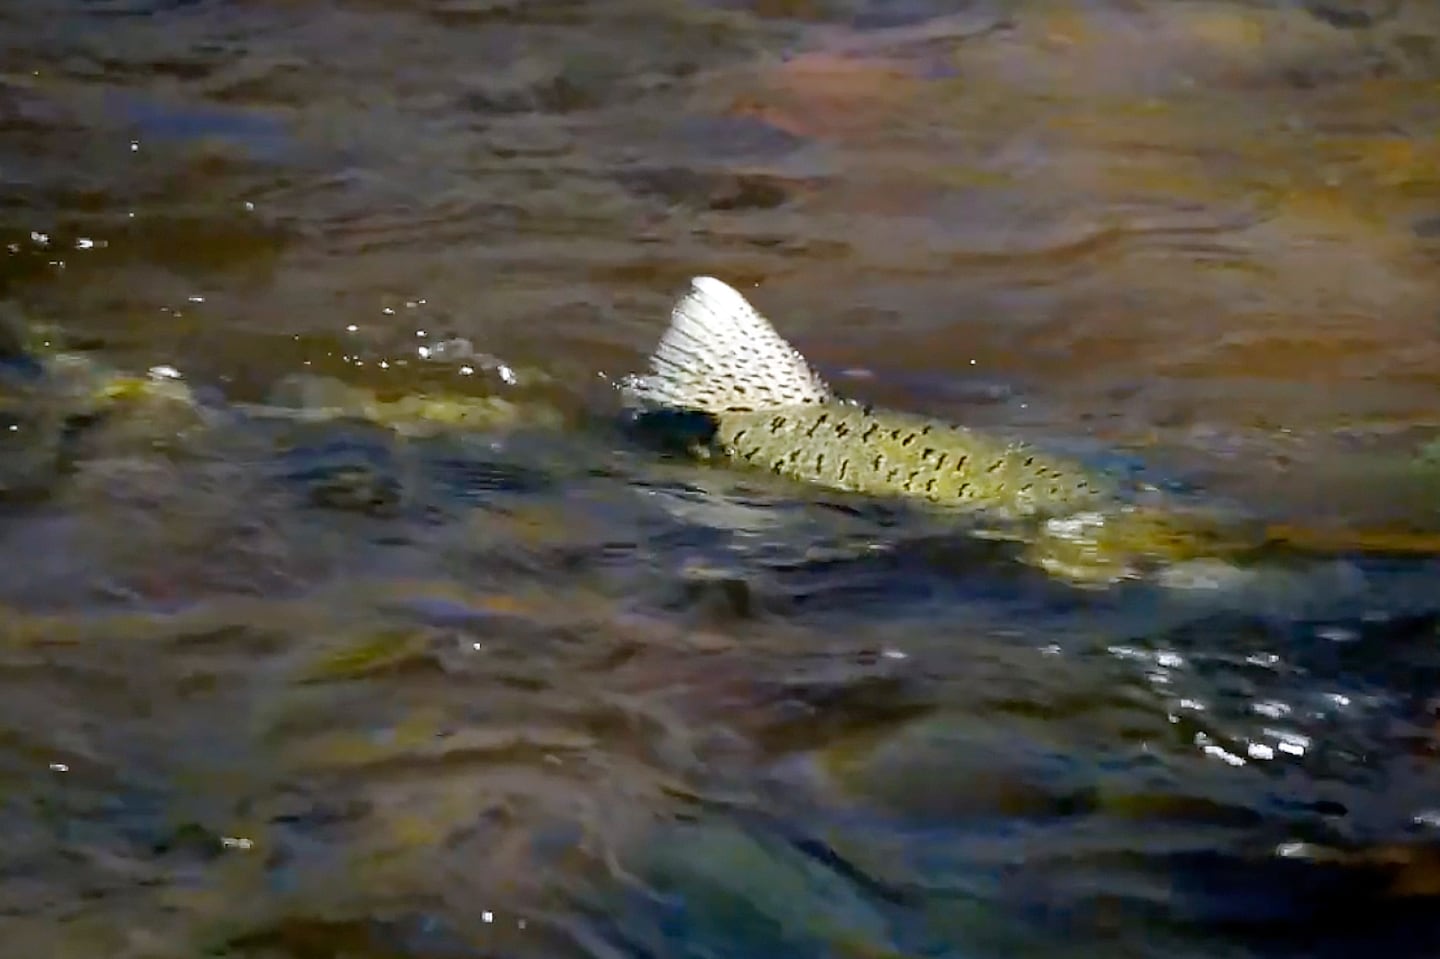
(720, 354)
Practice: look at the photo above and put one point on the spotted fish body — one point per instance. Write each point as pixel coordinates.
(771, 411)
(767, 409)
(886, 453)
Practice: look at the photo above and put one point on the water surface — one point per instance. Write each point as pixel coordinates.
(517, 686)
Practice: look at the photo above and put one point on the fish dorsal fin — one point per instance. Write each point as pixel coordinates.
(720, 354)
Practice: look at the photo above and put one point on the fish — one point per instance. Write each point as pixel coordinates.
(770, 410)
(764, 407)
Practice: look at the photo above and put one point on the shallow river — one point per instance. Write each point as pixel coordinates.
(364, 631)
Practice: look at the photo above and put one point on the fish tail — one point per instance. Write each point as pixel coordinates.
(719, 355)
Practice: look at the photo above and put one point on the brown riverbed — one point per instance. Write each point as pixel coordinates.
(469, 673)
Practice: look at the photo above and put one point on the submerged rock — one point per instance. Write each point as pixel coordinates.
(59, 407)
(303, 396)
(743, 893)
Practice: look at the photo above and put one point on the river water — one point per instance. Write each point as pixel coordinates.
(344, 686)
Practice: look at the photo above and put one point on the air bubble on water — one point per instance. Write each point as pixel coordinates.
(457, 348)
(352, 328)
(388, 311)
(1210, 748)
(1224, 755)
(1293, 744)
(467, 371)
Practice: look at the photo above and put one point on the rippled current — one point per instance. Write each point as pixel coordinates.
(356, 624)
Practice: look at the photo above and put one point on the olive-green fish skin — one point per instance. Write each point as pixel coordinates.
(769, 410)
(887, 453)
